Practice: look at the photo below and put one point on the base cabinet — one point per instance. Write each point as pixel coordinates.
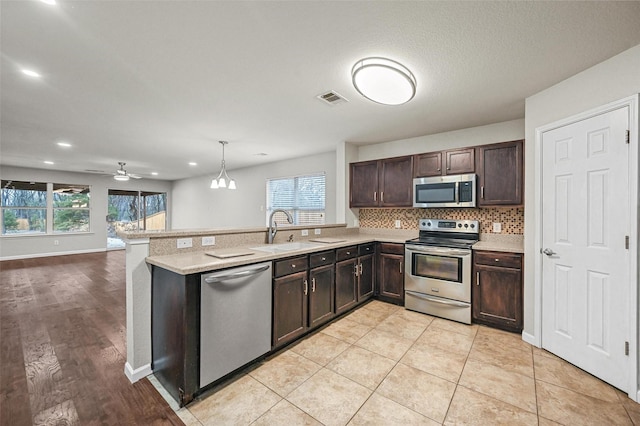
(289, 307)
(346, 279)
(321, 295)
(390, 275)
(497, 290)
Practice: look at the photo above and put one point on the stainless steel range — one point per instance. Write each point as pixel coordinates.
(438, 268)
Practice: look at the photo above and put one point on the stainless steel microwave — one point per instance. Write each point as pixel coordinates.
(445, 191)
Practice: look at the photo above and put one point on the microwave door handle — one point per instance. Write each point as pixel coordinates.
(457, 193)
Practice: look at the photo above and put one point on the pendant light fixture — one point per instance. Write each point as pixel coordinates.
(223, 177)
(383, 81)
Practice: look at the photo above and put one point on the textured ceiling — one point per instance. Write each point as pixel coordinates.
(157, 83)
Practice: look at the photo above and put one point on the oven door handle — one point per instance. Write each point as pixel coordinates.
(437, 250)
(438, 300)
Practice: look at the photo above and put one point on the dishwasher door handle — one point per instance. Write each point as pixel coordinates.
(234, 275)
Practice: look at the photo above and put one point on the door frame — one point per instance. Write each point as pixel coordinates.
(632, 103)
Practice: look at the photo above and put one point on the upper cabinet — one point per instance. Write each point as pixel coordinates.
(500, 174)
(456, 161)
(382, 183)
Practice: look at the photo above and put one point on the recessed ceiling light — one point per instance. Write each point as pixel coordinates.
(49, 2)
(261, 154)
(64, 144)
(30, 73)
(48, 162)
(193, 164)
(154, 173)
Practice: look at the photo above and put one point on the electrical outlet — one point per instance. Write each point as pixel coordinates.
(208, 241)
(398, 224)
(305, 232)
(317, 231)
(184, 242)
(497, 227)
(56, 242)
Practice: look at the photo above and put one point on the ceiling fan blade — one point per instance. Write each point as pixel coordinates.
(134, 176)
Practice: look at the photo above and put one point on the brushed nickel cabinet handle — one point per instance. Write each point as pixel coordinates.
(482, 192)
(355, 270)
(400, 266)
(375, 195)
(306, 287)
(382, 197)
(477, 278)
(361, 269)
(313, 285)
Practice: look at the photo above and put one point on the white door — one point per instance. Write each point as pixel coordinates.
(585, 219)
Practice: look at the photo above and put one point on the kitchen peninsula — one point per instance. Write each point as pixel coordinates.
(148, 252)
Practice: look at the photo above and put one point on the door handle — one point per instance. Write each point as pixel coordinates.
(548, 252)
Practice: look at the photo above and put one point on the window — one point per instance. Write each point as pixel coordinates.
(44, 208)
(302, 196)
(24, 207)
(70, 208)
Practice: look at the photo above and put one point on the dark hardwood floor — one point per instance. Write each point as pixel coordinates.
(63, 345)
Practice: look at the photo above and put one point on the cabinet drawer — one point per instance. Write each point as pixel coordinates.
(290, 266)
(496, 258)
(392, 248)
(322, 258)
(346, 253)
(364, 249)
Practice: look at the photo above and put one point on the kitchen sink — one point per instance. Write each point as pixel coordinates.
(285, 247)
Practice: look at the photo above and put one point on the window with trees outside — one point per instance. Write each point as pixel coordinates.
(301, 196)
(44, 208)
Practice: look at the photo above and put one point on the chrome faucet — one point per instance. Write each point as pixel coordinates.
(273, 226)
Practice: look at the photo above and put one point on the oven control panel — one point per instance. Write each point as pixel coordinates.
(470, 226)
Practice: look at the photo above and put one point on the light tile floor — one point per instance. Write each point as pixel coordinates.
(384, 365)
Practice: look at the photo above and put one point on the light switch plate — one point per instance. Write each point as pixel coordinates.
(185, 242)
(305, 232)
(208, 241)
(317, 231)
(398, 224)
(497, 227)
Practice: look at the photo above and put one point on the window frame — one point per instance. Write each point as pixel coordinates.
(296, 210)
(49, 213)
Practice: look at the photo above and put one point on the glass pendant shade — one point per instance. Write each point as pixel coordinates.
(223, 177)
(383, 81)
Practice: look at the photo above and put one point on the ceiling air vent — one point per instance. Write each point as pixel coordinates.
(332, 98)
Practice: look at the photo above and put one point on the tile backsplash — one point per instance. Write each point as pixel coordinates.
(512, 219)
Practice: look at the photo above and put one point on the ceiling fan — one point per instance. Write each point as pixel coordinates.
(122, 175)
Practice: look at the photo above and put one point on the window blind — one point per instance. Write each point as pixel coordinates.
(302, 196)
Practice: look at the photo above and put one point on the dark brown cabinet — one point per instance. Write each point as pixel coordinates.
(302, 300)
(321, 292)
(382, 183)
(355, 276)
(500, 174)
(390, 275)
(363, 184)
(451, 162)
(290, 300)
(366, 271)
(346, 284)
(497, 290)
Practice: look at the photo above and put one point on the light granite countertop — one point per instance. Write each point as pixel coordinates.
(500, 242)
(196, 262)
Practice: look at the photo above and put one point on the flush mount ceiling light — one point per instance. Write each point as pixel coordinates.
(223, 177)
(383, 81)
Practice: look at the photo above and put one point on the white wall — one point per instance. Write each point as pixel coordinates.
(611, 80)
(96, 240)
(195, 205)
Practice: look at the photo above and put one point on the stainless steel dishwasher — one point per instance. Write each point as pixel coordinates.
(235, 319)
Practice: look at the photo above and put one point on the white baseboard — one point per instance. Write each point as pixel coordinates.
(55, 253)
(530, 339)
(138, 373)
